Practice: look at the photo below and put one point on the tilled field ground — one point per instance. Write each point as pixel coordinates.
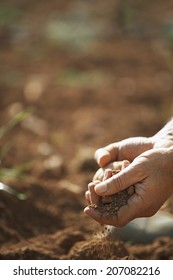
(93, 74)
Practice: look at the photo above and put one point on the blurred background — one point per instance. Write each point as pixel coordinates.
(75, 75)
(94, 72)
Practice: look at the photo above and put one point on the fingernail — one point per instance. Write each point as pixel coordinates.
(101, 188)
(125, 164)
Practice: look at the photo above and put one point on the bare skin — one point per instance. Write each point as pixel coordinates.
(150, 171)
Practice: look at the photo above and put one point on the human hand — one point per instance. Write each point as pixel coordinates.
(126, 149)
(152, 175)
(130, 148)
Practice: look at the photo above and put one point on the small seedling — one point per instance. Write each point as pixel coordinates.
(17, 170)
(14, 121)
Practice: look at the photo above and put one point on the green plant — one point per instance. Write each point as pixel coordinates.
(16, 171)
(14, 121)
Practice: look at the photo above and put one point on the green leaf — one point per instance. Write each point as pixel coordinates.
(14, 121)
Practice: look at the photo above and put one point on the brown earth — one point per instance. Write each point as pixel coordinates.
(87, 89)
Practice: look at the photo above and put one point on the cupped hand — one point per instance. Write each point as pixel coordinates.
(126, 149)
(152, 175)
(130, 148)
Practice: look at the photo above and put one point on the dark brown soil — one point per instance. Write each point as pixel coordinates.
(110, 205)
(86, 92)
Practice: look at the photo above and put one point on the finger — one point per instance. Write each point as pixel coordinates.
(107, 154)
(100, 217)
(107, 174)
(100, 174)
(120, 219)
(125, 163)
(120, 181)
(93, 196)
(87, 196)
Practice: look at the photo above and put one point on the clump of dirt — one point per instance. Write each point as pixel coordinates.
(45, 246)
(99, 249)
(70, 243)
(110, 205)
(40, 214)
(160, 249)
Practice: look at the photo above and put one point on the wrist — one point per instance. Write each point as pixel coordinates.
(164, 138)
(170, 171)
(164, 158)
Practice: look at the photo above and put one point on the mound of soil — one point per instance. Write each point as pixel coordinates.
(50, 224)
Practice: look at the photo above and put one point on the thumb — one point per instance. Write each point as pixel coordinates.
(118, 182)
(107, 154)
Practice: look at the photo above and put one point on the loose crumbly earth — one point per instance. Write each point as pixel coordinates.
(86, 92)
(110, 205)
